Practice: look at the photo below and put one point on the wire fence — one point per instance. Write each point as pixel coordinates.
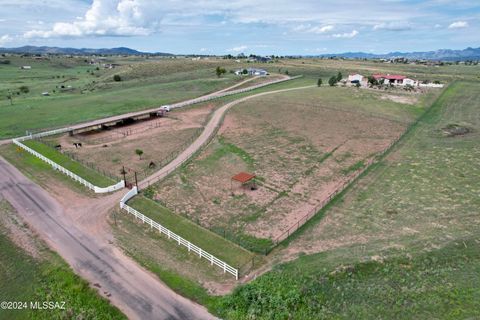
(117, 134)
(378, 157)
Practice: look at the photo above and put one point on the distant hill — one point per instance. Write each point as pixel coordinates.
(75, 51)
(442, 54)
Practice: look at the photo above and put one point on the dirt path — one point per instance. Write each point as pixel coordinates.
(205, 136)
(138, 293)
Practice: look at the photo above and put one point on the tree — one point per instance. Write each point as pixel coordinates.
(139, 153)
(319, 82)
(339, 76)
(332, 81)
(220, 71)
(24, 89)
(245, 71)
(117, 78)
(372, 81)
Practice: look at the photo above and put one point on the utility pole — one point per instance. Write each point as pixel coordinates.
(123, 172)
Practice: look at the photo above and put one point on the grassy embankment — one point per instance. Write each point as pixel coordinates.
(208, 241)
(88, 174)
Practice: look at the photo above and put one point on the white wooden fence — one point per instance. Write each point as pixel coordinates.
(56, 166)
(171, 235)
(229, 93)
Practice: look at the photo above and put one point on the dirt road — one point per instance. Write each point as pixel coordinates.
(139, 294)
(204, 137)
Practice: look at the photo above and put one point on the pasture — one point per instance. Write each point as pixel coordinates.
(92, 94)
(401, 243)
(302, 146)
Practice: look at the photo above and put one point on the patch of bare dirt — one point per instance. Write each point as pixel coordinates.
(405, 99)
(159, 139)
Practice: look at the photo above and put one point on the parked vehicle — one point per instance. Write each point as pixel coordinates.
(165, 108)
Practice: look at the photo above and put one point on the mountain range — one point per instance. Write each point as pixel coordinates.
(76, 51)
(442, 54)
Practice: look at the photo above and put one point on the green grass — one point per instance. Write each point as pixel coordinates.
(442, 284)
(226, 148)
(88, 174)
(207, 240)
(162, 256)
(38, 170)
(354, 167)
(24, 278)
(95, 96)
(417, 215)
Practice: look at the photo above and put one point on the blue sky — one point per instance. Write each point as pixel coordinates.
(251, 26)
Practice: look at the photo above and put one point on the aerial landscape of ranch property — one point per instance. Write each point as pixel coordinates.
(224, 185)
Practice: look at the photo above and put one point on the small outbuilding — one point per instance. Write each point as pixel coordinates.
(246, 180)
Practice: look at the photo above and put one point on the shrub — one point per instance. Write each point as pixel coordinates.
(24, 89)
(117, 78)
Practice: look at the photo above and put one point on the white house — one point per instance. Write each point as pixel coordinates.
(409, 82)
(355, 78)
(26, 67)
(252, 72)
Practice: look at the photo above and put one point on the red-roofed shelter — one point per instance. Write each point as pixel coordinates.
(245, 178)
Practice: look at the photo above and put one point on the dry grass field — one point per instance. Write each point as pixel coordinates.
(301, 145)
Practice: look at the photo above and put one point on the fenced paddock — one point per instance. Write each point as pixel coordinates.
(173, 236)
(56, 166)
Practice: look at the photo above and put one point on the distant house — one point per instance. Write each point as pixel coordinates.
(252, 72)
(409, 82)
(355, 78)
(110, 65)
(260, 59)
(394, 79)
(25, 67)
(45, 94)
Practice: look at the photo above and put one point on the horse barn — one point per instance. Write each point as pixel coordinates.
(115, 121)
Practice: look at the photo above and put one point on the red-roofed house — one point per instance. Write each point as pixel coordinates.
(395, 79)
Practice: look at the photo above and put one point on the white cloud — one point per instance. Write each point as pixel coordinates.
(352, 34)
(458, 25)
(238, 49)
(308, 28)
(321, 29)
(5, 39)
(393, 26)
(107, 18)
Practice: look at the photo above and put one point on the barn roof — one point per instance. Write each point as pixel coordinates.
(243, 177)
